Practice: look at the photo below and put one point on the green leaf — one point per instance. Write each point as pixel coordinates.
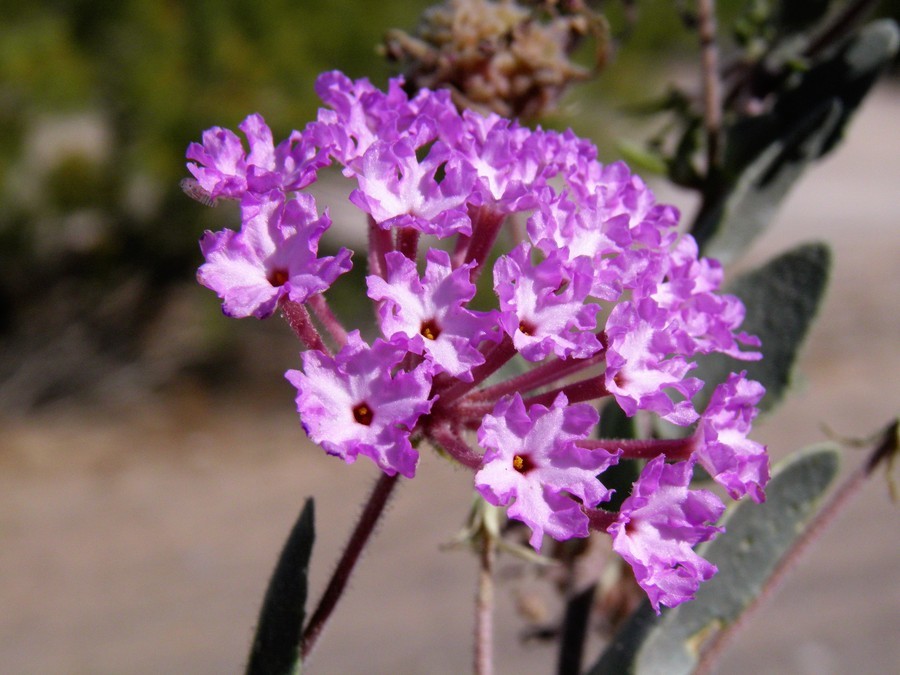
(782, 298)
(754, 198)
(757, 538)
(766, 154)
(276, 646)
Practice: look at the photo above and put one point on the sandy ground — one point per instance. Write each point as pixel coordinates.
(141, 541)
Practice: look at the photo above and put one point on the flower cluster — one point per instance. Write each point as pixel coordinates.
(591, 296)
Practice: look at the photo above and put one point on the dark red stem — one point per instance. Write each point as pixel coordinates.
(298, 319)
(358, 539)
(583, 390)
(674, 449)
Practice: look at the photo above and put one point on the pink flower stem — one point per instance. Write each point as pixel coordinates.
(600, 519)
(408, 242)
(330, 322)
(484, 609)
(459, 250)
(583, 390)
(485, 228)
(358, 539)
(471, 410)
(534, 378)
(674, 449)
(494, 358)
(298, 319)
(455, 446)
(380, 243)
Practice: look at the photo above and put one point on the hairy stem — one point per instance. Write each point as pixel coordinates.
(408, 242)
(712, 101)
(358, 539)
(494, 358)
(484, 608)
(298, 319)
(583, 390)
(485, 228)
(454, 446)
(380, 242)
(674, 449)
(546, 373)
(330, 322)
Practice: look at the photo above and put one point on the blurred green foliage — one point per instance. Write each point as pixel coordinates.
(98, 101)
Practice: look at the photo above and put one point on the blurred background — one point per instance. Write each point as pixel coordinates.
(150, 459)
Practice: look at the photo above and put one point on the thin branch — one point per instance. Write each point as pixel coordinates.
(358, 539)
(574, 631)
(712, 96)
(885, 452)
(840, 26)
(484, 608)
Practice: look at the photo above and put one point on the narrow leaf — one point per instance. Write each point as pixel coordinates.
(782, 298)
(766, 154)
(751, 204)
(757, 537)
(276, 646)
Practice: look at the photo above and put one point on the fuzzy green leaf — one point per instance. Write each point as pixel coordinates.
(782, 299)
(276, 646)
(757, 538)
(754, 199)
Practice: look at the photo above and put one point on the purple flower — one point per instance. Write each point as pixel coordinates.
(657, 527)
(225, 170)
(722, 446)
(398, 190)
(607, 244)
(643, 361)
(542, 306)
(613, 192)
(532, 460)
(273, 256)
(597, 286)
(427, 314)
(352, 405)
(561, 223)
(360, 115)
(709, 319)
(511, 162)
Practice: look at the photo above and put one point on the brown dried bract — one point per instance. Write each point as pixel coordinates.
(499, 56)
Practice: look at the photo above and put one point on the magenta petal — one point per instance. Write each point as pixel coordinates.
(657, 528)
(533, 465)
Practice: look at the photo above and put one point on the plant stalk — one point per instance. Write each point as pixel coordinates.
(358, 539)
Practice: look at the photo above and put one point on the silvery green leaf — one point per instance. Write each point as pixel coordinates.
(782, 299)
(754, 198)
(766, 154)
(757, 538)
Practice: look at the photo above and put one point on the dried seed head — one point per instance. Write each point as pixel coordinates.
(499, 56)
